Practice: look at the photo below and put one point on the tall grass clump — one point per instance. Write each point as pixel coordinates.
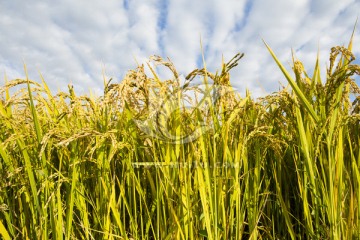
(166, 159)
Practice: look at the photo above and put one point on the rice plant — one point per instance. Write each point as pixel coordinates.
(162, 159)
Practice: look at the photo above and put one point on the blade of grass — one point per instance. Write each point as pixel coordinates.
(3, 232)
(294, 86)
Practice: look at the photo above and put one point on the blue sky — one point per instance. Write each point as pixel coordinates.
(73, 41)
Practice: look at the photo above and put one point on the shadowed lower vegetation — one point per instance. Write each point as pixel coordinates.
(154, 159)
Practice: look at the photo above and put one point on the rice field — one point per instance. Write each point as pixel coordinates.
(161, 159)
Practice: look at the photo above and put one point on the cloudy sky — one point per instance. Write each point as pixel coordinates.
(73, 41)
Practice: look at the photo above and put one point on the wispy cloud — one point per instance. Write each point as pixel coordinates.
(72, 41)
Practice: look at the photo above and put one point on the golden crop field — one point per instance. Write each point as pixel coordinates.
(157, 159)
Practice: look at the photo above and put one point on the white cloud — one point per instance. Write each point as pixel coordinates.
(72, 41)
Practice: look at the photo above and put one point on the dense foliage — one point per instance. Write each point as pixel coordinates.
(153, 159)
